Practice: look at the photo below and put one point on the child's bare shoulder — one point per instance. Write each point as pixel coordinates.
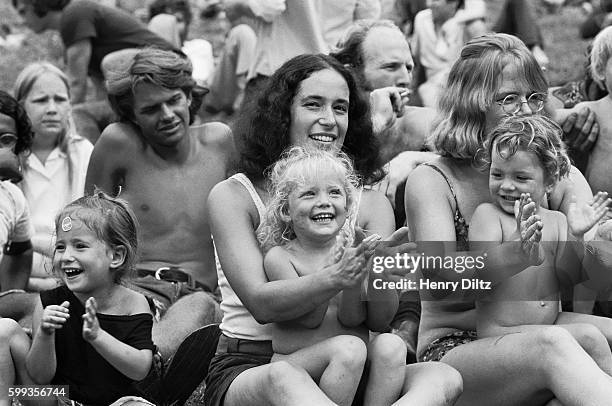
(277, 253)
(280, 263)
(136, 302)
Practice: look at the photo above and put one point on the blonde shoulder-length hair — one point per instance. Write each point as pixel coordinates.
(23, 85)
(472, 85)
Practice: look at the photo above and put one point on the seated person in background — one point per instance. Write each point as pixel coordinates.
(597, 171)
(599, 18)
(403, 13)
(54, 173)
(517, 17)
(165, 169)
(170, 19)
(439, 33)
(15, 228)
(380, 57)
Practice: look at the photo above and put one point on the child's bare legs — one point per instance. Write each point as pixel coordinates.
(14, 346)
(387, 356)
(336, 363)
(430, 384)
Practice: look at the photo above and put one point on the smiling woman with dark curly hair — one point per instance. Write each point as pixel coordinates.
(311, 101)
(263, 130)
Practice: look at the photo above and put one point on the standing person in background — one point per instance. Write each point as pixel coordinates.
(284, 29)
(439, 33)
(339, 15)
(54, 173)
(518, 17)
(229, 79)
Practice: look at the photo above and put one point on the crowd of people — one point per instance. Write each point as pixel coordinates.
(149, 249)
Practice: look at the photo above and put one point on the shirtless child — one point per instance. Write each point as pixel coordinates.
(597, 170)
(526, 158)
(165, 169)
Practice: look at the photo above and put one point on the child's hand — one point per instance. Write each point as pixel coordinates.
(529, 227)
(54, 317)
(580, 220)
(369, 245)
(349, 265)
(604, 231)
(91, 326)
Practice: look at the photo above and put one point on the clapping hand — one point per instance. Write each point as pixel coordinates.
(582, 219)
(54, 317)
(91, 326)
(529, 227)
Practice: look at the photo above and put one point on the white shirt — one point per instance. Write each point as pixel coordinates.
(47, 190)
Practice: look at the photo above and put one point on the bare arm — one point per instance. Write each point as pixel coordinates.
(104, 171)
(563, 194)
(376, 217)
(78, 56)
(40, 361)
(242, 262)
(278, 266)
(427, 201)
(15, 270)
(131, 362)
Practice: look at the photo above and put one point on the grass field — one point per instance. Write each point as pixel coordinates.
(563, 45)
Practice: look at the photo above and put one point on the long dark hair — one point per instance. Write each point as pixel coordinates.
(262, 130)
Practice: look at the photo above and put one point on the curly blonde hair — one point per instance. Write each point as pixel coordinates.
(531, 133)
(298, 166)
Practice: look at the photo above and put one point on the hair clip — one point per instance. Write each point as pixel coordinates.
(67, 224)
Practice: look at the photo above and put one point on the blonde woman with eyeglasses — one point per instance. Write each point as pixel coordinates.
(54, 173)
(496, 76)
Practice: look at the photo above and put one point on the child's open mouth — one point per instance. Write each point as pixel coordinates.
(323, 218)
(72, 272)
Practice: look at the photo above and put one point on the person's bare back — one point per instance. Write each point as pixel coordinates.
(168, 194)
